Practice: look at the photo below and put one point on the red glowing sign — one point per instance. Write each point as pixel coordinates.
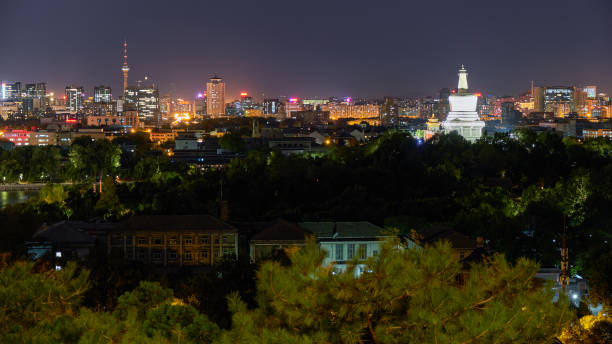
(453, 91)
(478, 94)
(243, 94)
(293, 100)
(71, 120)
(64, 97)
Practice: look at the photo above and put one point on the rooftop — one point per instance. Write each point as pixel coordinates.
(175, 223)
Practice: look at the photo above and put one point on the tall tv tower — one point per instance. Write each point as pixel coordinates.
(125, 69)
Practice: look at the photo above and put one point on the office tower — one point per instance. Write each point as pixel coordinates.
(11, 91)
(200, 104)
(559, 100)
(463, 117)
(215, 96)
(591, 91)
(125, 68)
(102, 94)
(292, 105)
(74, 98)
(271, 106)
(246, 101)
(148, 103)
(538, 99)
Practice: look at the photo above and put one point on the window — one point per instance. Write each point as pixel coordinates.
(172, 241)
(350, 251)
(204, 254)
(58, 254)
(142, 241)
(339, 252)
(375, 253)
(204, 239)
(226, 239)
(216, 240)
(188, 255)
(228, 251)
(363, 251)
(172, 255)
(141, 254)
(188, 240)
(156, 254)
(157, 241)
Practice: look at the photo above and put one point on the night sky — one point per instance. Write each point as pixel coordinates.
(309, 48)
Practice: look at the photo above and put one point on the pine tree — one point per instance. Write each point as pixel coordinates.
(405, 296)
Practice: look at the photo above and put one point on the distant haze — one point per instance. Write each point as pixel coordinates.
(309, 48)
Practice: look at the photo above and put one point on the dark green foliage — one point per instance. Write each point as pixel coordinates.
(405, 296)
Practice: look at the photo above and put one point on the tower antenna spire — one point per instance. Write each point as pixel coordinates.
(125, 68)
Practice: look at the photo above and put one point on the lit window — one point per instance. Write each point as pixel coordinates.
(339, 252)
(363, 251)
(58, 254)
(350, 251)
(58, 268)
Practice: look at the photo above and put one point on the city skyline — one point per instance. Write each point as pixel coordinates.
(291, 50)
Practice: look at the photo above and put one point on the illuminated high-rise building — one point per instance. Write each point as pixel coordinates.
(591, 91)
(271, 106)
(559, 100)
(215, 96)
(10, 91)
(74, 98)
(246, 101)
(463, 117)
(293, 105)
(102, 94)
(125, 68)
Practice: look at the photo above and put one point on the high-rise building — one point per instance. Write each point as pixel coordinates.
(559, 100)
(463, 117)
(292, 105)
(389, 113)
(148, 103)
(74, 98)
(271, 106)
(125, 68)
(591, 91)
(215, 96)
(246, 101)
(10, 91)
(102, 94)
(538, 99)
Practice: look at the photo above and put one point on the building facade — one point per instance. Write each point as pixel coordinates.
(74, 98)
(174, 240)
(215, 97)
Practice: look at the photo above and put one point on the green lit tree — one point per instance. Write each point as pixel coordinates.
(404, 296)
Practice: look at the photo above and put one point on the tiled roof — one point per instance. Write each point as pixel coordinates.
(282, 231)
(457, 240)
(338, 230)
(174, 223)
(66, 232)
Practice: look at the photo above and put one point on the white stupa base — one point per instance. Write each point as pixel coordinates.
(470, 130)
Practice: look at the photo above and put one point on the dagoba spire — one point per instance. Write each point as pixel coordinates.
(463, 84)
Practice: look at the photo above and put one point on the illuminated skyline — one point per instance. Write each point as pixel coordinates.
(358, 48)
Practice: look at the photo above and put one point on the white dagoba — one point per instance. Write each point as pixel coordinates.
(463, 117)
